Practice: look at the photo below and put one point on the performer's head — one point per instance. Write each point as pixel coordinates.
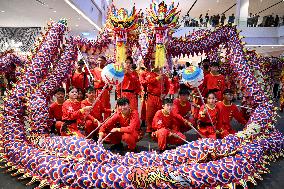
(211, 97)
(80, 65)
(102, 61)
(73, 93)
(91, 93)
(183, 95)
(227, 95)
(167, 105)
(123, 105)
(81, 95)
(214, 67)
(128, 63)
(60, 94)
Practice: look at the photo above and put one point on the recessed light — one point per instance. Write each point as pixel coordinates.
(79, 18)
(77, 25)
(54, 11)
(2, 11)
(85, 33)
(272, 47)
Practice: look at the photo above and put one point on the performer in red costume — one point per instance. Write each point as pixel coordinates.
(214, 81)
(205, 66)
(72, 113)
(163, 127)
(157, 88)
(130, 86)
(55, 110)
(79, 79)
(99, 84)
(182, 112)
(142, 75)
(228, 110)
(96, 115)
(174, 85)
(124, 126)
(205, 126)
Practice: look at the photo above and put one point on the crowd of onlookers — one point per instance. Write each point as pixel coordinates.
(206, 20)
(267, 21)
(221, 19)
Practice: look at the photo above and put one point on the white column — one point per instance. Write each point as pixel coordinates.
(242, 12)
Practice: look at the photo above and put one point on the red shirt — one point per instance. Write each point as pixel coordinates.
(174, 85)
(227, 112)
(79, 80)
(154, 86)
(71, 110)
(162, 121)
(128, 124)
(97, 76)
(55, 111)
(181, 111)
(130, 82)
(214, 82)
(214, 114)
(97, 111)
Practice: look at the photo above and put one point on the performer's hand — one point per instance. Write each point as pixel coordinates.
(115, 130)
(100, 137)
(87, 109)
(159, 77)
(96, 121)
(154, 134)
(188, 123)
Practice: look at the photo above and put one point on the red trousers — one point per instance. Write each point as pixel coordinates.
(207, 131)
(180, 126)
(105, 100)
(129, 138)
(153, 104)
(133, 100)
(163, 138)
(90, 126)
(143, 110)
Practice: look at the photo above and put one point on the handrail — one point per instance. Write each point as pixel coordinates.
(271, 6)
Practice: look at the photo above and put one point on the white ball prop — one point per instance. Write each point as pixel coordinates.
(192, 76)
(112, 74)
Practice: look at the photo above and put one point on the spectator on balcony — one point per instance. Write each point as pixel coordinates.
(223, 18)
(250, 20)
(201, 20)
(207, 20)
(255, 20)
(276, 21)
(217, 19)
(231, 19)
(186, 20)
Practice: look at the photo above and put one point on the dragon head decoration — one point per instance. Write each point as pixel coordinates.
(164, 21)
(122, 23)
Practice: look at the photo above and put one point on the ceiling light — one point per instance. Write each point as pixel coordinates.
(82, 14)
(85, 33)
(77, 25)
(54, 11)
(2, 11)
